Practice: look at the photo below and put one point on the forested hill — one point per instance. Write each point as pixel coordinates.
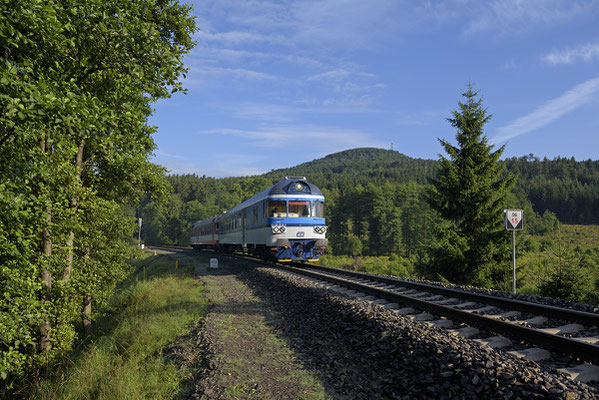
(564, 186)
(361, 166)
(567, 188)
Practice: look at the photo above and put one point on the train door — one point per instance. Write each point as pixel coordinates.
(213, 232)
(243, 229)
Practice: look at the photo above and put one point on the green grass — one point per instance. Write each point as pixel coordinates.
(572, 245)
(124, 359)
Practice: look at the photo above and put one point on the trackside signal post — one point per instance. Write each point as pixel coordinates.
(513, 220)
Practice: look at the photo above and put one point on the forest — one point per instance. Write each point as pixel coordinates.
(359, 182)
(379, 219)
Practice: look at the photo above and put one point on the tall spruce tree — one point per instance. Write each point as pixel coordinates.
(469, 193)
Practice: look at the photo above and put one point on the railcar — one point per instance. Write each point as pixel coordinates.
(285, 221)
(204, 234)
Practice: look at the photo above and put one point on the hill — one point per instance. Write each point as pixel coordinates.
(361, 166)
(564, 186)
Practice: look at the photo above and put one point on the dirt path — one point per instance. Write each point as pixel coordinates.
(247, 359)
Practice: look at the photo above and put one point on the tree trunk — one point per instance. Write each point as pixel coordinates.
(45, 326)
(87, 306)
(68, 269)
(87, 311)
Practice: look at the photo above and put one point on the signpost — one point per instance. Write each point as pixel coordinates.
(513, 220)
(139, 232)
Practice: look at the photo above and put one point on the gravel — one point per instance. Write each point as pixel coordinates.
(364, 351)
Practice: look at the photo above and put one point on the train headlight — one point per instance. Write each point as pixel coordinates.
(299, 187)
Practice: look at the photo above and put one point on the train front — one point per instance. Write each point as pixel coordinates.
(295, 210)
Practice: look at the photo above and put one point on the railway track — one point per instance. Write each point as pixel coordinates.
(563, 339)
(522, 325)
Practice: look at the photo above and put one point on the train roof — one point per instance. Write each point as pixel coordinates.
(204, 221)
(287, 186)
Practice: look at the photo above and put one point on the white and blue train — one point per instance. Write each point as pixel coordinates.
(285, 221)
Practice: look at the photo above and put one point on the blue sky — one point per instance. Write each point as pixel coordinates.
(273, 84)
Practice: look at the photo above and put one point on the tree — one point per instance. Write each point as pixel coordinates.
(571, 277)
(469, 194)
(77, 80)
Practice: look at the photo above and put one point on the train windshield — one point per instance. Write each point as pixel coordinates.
(318, 209)
(299, 209)
(277, 209)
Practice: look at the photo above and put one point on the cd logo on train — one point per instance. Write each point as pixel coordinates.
(300, 234)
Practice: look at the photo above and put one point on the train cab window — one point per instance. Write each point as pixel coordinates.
(277, 209)
(318, 209)
(299, 209)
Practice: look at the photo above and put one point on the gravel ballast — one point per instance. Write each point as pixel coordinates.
(361, 350)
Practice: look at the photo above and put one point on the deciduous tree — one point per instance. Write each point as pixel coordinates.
(77, 82)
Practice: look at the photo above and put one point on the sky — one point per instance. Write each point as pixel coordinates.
(272, 84)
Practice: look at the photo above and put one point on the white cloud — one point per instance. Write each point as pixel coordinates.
(178, 167)
(265, 112)
(336, 75)
(418, 119)
(235, 55)
(514, 16)
(325, 139)
(238, 73)
(160, 153)
(586, 52)
(235, 37)
(552, 110)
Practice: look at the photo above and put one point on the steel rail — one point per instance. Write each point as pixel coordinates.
(577, 348)
(582, 317)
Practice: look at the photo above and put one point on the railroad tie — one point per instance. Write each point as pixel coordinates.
(532, 354)
(583, 373)
(495, 342)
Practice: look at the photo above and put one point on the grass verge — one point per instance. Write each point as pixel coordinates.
(124, 358)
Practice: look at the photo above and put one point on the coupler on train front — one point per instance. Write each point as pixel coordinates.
(298, 250)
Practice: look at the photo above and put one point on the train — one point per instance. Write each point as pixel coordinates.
(285, 222)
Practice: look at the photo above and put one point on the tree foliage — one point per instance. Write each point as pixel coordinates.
(469, 194)
(77, 82)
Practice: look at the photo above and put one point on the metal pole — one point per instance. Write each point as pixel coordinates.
(139, 232)
(514, 257)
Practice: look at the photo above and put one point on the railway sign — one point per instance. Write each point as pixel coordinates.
(513, 220)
